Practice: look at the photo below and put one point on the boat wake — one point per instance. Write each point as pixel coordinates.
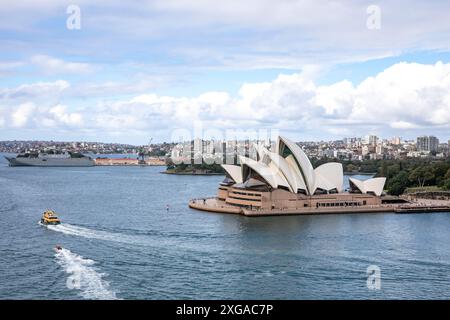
(83, 276)
(73, 230)
(84, 232)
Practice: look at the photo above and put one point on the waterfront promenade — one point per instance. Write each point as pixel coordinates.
(220, 206)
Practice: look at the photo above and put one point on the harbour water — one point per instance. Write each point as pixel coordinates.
(121, 242)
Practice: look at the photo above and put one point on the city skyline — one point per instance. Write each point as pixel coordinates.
(368, 147)
(342, 138)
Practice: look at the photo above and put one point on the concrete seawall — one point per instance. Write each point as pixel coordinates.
(219, 206)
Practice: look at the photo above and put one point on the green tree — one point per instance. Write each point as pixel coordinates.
(446, 184)
(398, 184)
(447, 174)
(392, 171)
(417, 176)
(446, 181)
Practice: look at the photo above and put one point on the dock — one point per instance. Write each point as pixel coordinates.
(129, 162)
(422, 209)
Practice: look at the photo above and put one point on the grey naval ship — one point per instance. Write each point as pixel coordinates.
(66, 159)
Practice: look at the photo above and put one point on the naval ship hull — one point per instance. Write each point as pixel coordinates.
(39, 162)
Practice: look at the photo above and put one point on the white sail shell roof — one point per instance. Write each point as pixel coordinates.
(260, 150)
(374, 185)
(289, 167)
(292, 176)
(306, 167)
(269, 173)
(329, 176)
(235, 172)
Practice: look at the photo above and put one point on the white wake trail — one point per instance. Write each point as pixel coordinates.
(73, 230)
(83, 276)
(89, 233)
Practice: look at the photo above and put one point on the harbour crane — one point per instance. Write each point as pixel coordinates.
(141, 153)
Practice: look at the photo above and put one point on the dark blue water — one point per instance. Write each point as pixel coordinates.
(121, 242)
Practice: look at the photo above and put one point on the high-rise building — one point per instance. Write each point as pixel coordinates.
(371, 140)
(427, 143)
(379, 149)
(396, 141)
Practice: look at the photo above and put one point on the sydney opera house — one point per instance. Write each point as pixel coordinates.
(283, 181)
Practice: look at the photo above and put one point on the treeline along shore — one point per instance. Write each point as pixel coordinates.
(413, 174)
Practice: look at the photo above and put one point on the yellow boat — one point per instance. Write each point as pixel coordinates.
(49, 217)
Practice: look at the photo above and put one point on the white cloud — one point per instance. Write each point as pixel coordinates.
(405, 96)
(51, 65)
(7, 65)
(403, 125)
(34, 91)
(233, 33)
(61, 115)
(405, 93)
(20, 116)
(30, 116)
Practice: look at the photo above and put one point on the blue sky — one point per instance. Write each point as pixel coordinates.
(154, 68)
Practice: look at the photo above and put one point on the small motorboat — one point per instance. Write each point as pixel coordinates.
(49, 217)
(58, 248)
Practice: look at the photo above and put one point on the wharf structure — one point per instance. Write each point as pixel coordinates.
(129, 162)
(284, 182)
